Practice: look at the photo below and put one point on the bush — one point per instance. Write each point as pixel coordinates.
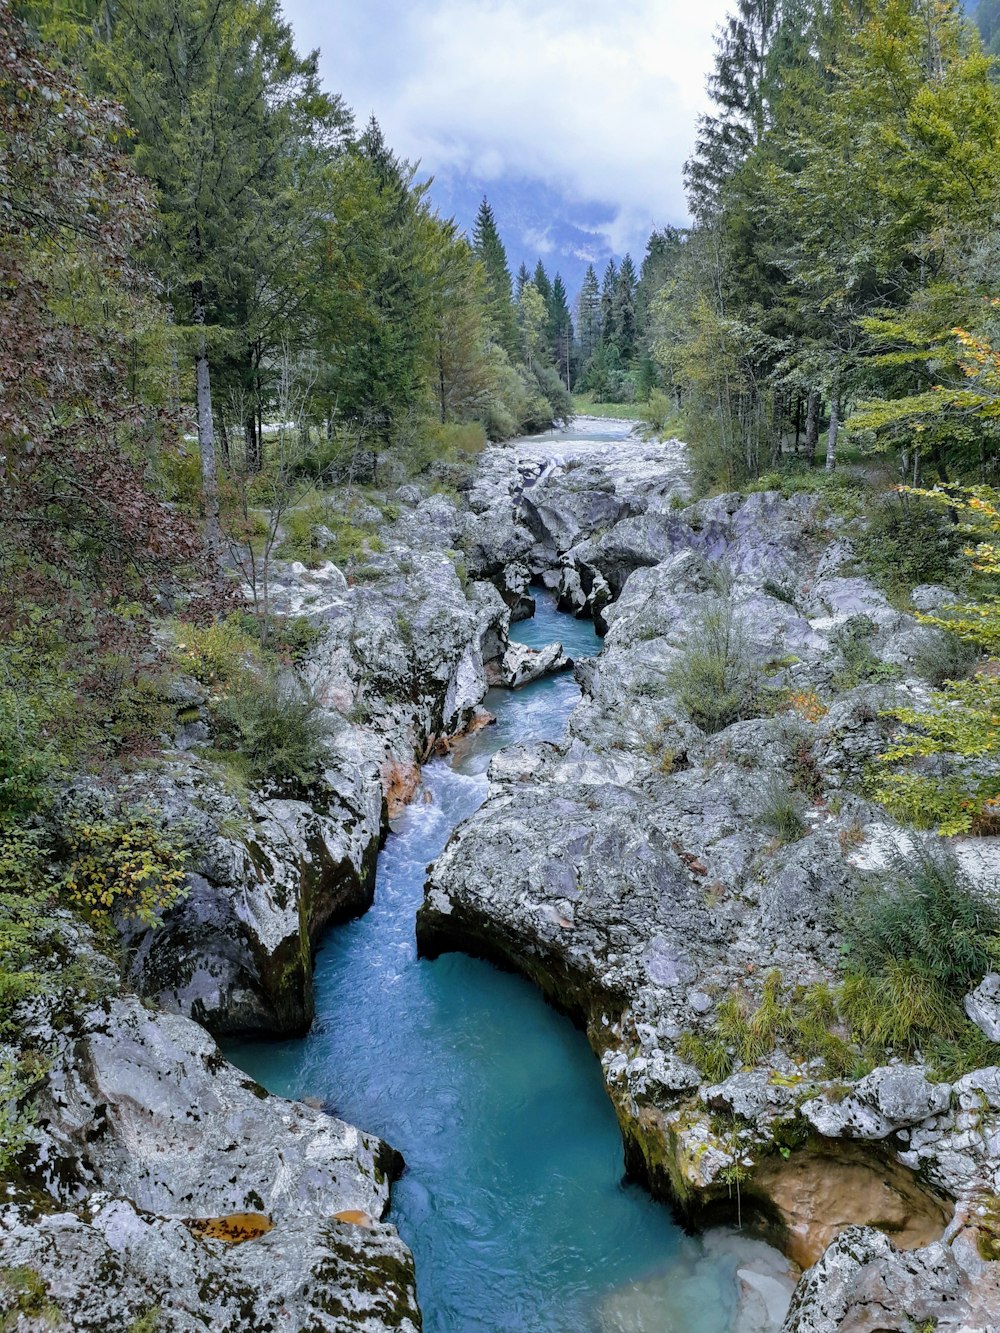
(859, 665)
(276, 727)
(944, 656)
(908, 541)
(126, 862)
(924, 918)
(220, 653)
(713, 676)
(25, 895)
(25, 758)
(658, 413)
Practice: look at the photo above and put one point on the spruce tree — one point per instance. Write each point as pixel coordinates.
(521, 281)
(542, 284)
(740, 87)
(588, 320)
(490, 249)
(623, 310)
(608, 302)
(560, 327)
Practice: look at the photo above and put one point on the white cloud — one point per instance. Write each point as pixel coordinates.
(540, 241)
(597, 99)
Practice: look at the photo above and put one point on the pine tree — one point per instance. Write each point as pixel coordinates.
(608, 302)
(623, 310)
(490, 248)
(521, 281)
(588, 319)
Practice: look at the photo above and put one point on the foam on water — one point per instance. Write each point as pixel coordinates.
(513, 1199)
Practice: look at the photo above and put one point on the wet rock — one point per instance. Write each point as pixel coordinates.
(522, 665)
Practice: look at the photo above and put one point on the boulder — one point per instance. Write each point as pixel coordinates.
(194, 1193)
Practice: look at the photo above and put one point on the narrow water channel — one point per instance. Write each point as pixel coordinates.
(513, 1200)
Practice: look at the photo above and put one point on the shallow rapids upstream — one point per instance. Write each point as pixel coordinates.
(513, 1200)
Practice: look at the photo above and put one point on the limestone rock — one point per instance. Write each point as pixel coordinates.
(143, 1131)
(983, 1006)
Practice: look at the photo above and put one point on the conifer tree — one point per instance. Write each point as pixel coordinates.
(521, 281)
(608, 302)
(560, 327)
(623, 309)
(588, 320)
(490, 248)
(542, 284)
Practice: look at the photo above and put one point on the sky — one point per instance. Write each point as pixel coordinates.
(573, 116)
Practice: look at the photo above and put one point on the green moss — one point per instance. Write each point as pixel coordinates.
(26, 1289)
(147, 1322)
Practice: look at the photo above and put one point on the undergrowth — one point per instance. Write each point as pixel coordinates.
(915, 943)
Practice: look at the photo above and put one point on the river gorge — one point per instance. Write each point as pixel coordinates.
(398, 1133)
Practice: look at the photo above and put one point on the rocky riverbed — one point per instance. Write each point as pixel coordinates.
(629, 870)
(632, 872)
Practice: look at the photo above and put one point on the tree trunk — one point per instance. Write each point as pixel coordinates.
(812, 425)
(798, 422)
(206, 429)
(831, 439)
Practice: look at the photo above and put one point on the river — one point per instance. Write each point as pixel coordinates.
(513, 1200)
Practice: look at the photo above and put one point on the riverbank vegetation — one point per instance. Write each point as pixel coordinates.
(221, 301)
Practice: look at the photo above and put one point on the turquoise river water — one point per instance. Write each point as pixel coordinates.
(513, 1200)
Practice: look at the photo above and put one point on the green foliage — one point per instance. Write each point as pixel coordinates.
(219, 653)
(962, 726)
(17, 1079)
(659, 414)
(781, 812)
(26, 895)
(343, 541)
(275, 728)
(944, 656)
(915, 943)
(923, 916)
(124, 862)
(907, 542)
(713, 675)
(858, 664)
(708, 1055)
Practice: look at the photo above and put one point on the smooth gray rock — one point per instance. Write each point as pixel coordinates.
(142, 1130)
(983, 1006)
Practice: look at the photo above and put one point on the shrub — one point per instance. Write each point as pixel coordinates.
(220, 653)
(277, 728)
(714, 678)
(944, 656)
(16, 1117)
(908, 541)
(658, 414)
(924, 918)
(126, 862)
(25, 895)
(859, 665)
(26, 758)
